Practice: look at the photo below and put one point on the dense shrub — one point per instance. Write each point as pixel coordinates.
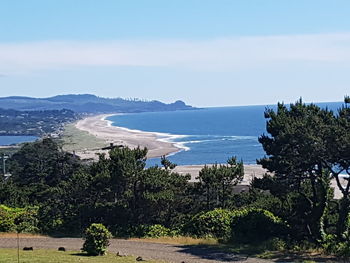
(18, 219)
(255, 225)
(342, 250)
(215, 223)
(7, 219)
(153, 231)
(331, 245)
(96, 239)
(274, 244)
(157, 231)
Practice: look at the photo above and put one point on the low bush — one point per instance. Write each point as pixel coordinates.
(274, 244)
(96, 240)
(153, 231)
(342, 250)
(256, 225)
(215, 223)
(157, 231)
(332, 246)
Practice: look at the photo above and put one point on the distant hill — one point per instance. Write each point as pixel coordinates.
(87, 103)
(37, 123)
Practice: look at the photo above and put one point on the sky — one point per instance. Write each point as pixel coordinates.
(205, 52)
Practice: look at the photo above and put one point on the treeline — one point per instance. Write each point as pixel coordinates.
(87, 103)
(34, 123)
(117, 191)
(307, 147)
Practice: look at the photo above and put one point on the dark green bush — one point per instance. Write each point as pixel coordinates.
(96, 239)
(255, 225)
(215, 223)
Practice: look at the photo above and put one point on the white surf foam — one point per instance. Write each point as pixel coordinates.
(161, 136)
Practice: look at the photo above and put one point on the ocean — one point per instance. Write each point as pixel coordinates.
(209, 135)
(9, 140)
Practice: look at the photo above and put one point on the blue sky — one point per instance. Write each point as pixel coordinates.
(207, 53)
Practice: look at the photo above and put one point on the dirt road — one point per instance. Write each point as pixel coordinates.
(166, 252)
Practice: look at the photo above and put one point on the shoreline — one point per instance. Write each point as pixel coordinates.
(156, 143)
(250, 171)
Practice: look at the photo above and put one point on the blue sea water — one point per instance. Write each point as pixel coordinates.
(207, 135)
(9, 140)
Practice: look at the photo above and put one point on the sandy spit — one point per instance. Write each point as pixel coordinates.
(102, 128)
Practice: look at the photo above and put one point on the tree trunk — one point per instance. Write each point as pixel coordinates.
(343, 214)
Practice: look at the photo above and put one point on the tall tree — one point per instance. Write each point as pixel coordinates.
(338, 161)
(216, 182)
(40, 165)
(296, 151)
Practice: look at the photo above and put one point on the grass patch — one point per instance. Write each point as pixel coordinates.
(181, 240)
(51, 256)
(74, 139)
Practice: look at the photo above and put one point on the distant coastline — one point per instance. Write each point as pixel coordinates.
(102, 128)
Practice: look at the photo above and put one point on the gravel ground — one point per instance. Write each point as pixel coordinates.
(166, 252)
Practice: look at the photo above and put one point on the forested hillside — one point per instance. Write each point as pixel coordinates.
(37, 123)
(87, 103)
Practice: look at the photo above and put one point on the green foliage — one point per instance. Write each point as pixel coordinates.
(166, 163)
(306, 146)
(151, 231)
(275, 244)
(343, 250)
(299, 153)
(331, 245)
(216, 183)
(18, 219)
(255, 225)
(39, 166)
(215, 223)
(7, 221)
(347, 99)
(96, 239)
(157, 231)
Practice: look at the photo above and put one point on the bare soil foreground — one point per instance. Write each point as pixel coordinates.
(166, 252)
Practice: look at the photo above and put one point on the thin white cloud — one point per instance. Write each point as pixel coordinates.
(219, 54)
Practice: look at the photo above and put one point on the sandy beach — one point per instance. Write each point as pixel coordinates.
(250, 171)
(101, 128)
